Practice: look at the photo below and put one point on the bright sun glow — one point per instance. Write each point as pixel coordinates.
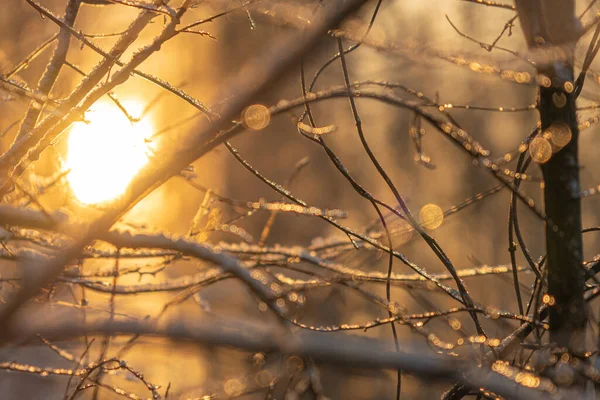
(105, 154)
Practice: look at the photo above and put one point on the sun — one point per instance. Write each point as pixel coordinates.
(105, 152)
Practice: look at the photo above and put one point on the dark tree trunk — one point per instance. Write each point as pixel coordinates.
(551, 31)
(566, 275)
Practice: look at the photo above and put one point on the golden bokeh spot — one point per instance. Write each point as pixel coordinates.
(479, 339)
(395, 308)
(234, 387)
(294, 364)
(475, 66)
(455, 324)
(547, 135)
(560, 134)
(493, 313)
(527, 379)
(569, 87)
(508, 74)
(523, 148)
(544, 80)
(293, 297)
(547, 299)
(559, 99)
(263, 378)
(317, 130)
(256, 117)
(431, 216)
(522, 77)
(540, 150)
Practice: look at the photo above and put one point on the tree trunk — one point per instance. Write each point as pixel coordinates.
(551, 31)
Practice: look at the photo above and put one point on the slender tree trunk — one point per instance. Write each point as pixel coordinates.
(566, 275)
(568, 314)
(551, 30)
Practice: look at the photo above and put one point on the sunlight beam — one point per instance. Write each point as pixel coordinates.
(105, 153)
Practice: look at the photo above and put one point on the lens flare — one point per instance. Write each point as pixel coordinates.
(105, 153)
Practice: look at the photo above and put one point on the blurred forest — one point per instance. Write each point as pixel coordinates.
(200, 198)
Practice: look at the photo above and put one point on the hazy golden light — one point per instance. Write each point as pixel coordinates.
(402, 232)
(104, 154)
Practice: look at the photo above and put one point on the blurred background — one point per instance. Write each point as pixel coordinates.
(412, 43)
